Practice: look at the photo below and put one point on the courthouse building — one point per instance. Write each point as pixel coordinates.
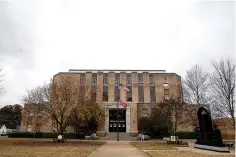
(145, 88)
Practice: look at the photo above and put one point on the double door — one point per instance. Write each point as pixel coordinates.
(115, 124)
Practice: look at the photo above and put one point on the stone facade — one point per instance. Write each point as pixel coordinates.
(137, 107)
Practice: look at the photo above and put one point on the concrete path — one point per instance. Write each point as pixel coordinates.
(117, 149)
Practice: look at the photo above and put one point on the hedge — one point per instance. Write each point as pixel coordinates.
(186, 135)
(78, 135)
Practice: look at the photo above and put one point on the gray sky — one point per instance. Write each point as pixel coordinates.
(39, 38)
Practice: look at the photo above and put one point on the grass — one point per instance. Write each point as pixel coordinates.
(162, 149)
(45, 148)
(157, 145)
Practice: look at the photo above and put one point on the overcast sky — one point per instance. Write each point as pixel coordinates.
(39, 38)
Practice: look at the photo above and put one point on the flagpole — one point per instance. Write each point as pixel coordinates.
(117, 106)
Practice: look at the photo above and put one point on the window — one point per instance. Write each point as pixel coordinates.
(105, 93)
(144, 112)
(166, 85)
(151, 78)
(165, 79)
(29, 128)
(117, 93)
(166, 92)
(93, 92)
(94, 78)
(82, 78)
(128, 79)
(105, 78)
(140, 94)
(167, 97)
(153, 94)
(129, 93)
(117, 78)
(140, 78)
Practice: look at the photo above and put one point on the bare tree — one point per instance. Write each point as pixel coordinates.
(195, 86)
(33, 108)
(174, 107)
(223, 89)
(62, 100)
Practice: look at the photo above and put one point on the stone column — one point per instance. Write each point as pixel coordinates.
(133, 119)
(102, 127)
(111, 86)
(159, 79)
(123, 82)
(99, 87)
(146, 87)
(134, 77)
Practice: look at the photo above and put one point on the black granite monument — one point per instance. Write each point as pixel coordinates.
(207, 137)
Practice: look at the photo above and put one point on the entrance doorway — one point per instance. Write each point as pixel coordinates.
(113, 123)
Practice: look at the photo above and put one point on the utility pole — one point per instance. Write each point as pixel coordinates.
(117, 108)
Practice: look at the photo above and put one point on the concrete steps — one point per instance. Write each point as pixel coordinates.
(123, 136)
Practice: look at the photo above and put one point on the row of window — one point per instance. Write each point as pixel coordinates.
(117, 78)
(129, 94)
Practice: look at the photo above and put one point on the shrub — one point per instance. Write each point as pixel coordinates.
(186, 135)
(20, 135)
(78, 135)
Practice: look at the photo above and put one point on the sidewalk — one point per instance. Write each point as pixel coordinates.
(118, 149)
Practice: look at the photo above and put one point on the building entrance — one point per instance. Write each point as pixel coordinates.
(113, 123)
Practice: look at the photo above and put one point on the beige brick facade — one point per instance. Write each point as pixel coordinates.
(135, 109)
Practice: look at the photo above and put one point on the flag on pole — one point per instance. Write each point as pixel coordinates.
(123, 103)
(123, 88)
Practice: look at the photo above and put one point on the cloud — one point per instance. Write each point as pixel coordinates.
(58, 35)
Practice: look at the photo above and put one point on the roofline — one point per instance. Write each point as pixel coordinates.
(113, 70)
(70, 72)
(79, 71)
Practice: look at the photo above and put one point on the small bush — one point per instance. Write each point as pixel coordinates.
(20, 135)
(186, 135)
(78, 135)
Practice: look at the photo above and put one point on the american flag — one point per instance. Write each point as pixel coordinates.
(123, 88)
(123, 103)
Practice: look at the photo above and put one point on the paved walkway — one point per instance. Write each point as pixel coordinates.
(117, 149)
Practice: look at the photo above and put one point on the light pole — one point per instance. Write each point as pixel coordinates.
(117, 108)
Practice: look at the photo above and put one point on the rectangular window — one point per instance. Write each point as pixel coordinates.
(94, 78)
(166, 85)
(129, 93)
(151, 78)
(117, 93)
(82, 78)
(128, 79)
(140, 94)
(105, 93)
(140, 78)
(29, 128)
(117, 78)
(166, 92)
(153, 94)
(144, 112)
(105, 78)
(94, 92)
